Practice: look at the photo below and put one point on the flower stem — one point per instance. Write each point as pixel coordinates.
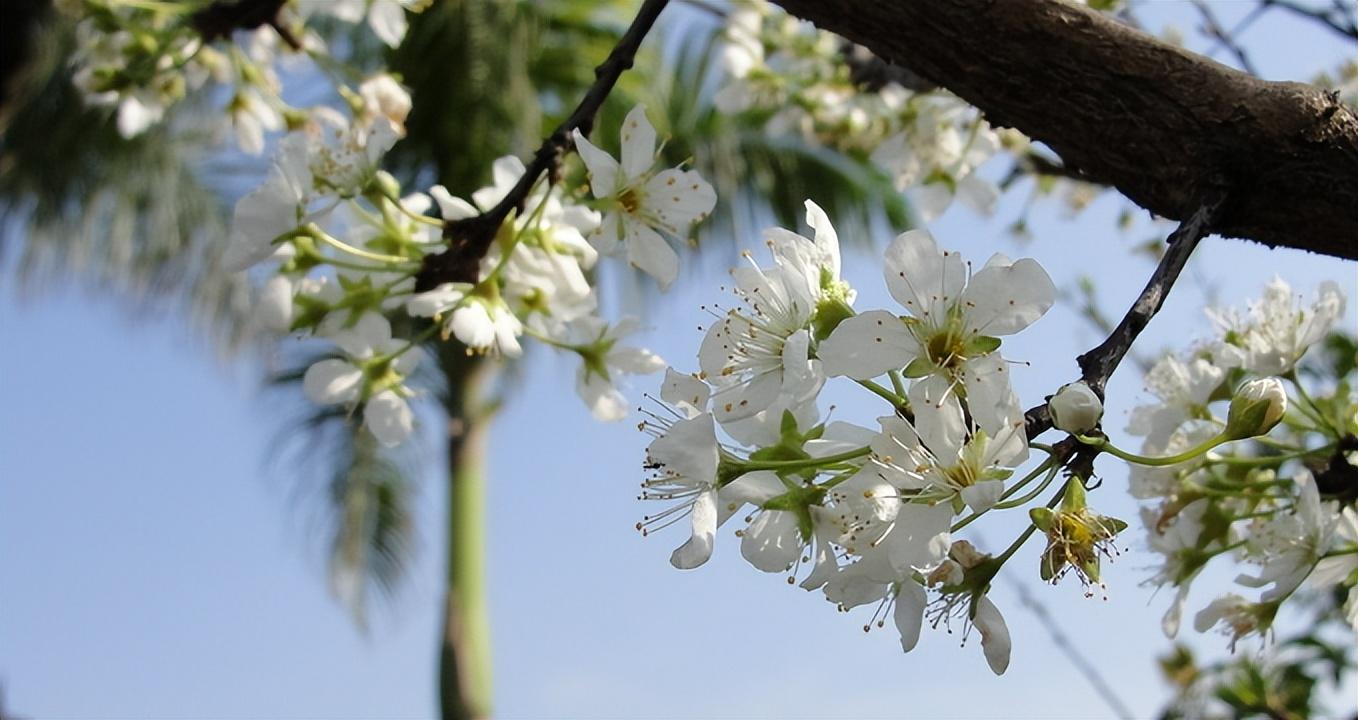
(1103, 445)
(891, 397)
(807, 463)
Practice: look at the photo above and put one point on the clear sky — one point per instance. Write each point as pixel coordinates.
(154, 564)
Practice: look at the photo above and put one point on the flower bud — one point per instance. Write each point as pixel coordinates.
(1075, 408)
(1258, 405)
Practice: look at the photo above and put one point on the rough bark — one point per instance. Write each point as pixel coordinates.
(1153, 120)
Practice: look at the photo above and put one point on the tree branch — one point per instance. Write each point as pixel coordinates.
(1213, 28)
(469, 239)
(224, 17)
(1098, 364)
(1339, 19)
(1155, 121)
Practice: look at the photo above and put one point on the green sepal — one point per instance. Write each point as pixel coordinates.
(980, 345)
(1042, 518)
(918, 368)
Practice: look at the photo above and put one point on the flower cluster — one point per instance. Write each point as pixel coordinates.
(791, 77)
(1257, 502)
(863, 514)
(344, 244)
(143, 58)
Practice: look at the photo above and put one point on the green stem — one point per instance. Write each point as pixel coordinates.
(807, 463)
(1046, 464)
(1021, 501)
(1270, 459)
(891, 397)
(1103, 445)
(897, 382)
(1291, 376)
(316, 232)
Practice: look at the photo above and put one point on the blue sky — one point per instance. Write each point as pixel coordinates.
(154, 563)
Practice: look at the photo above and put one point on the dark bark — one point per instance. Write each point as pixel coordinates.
(1124, 109)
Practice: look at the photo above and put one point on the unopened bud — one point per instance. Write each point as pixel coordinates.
(1075, 408)
(1258, 405)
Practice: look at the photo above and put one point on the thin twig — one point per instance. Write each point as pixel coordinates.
(1098, 364)
(1329, 18)
(1089, 670)
(1213, 28)
(469, 239)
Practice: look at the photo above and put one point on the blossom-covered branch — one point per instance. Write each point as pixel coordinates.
(470, 238)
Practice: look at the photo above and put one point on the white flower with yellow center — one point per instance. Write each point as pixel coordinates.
(646, 206)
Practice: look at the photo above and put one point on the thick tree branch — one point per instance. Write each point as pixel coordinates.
(470, 239)
(1097, 365)
(1127, 110)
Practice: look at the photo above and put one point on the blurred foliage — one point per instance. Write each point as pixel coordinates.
(81, 205)
(1281, 681)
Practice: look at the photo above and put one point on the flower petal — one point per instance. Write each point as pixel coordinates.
(772, 542)
(332, 381)
(909, 615)
(649, 252)
(599, 165)
(994, 635)
(868, 345)
(921, 277)
(1004, 297)
(388, 418)
(638, 143)
(698, 548)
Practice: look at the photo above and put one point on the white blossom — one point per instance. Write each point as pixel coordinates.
(646, 206)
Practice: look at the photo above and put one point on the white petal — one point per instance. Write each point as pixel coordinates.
(635, 360)
(332, 381)
(274, 310)
(689, 449)
(388, 418)
(990, 396)
(607, 235)
(388, 22)
(983, 495)
(931, 200)
(450, 206)
(920, 538)
(994, 635)
(868, 345)
(909, 615)
(605, 402)
(601, 167)
(471, 324)
(920, 276)
(772, 542)
(938, 417)
(742, 400)
(433, 302)
(827, 240)
(685, 392)
(649, 252)
(755, 488)
(678, 198)
(1005, 298)
(698, 549)
(638, 143)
